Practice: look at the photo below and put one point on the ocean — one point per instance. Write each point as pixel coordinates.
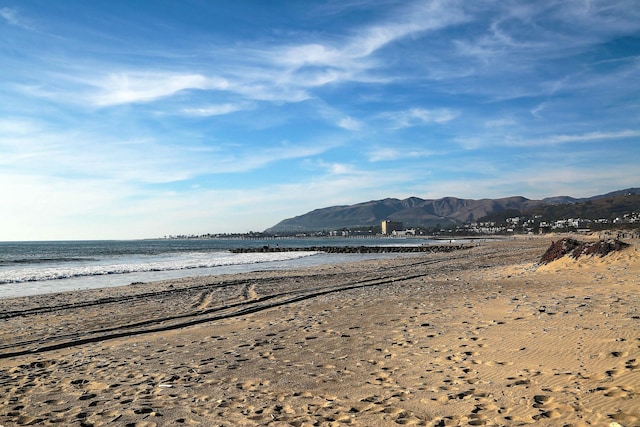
(31, 268)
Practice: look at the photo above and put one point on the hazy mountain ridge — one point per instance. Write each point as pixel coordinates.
(417, 212)
(561, 200)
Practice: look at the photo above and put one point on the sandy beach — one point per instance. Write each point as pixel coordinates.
(481, 336)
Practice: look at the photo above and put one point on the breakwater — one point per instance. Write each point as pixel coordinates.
(356, 249)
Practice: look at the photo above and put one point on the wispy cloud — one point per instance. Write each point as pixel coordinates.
(143, 87)
(537, 110)
(349, 123)
(500, 122)
(37, 149)
(418, 116)
(214, 110)
(349, 58)
(125, 211)
(284, 73)
(334, 168)
(568, 138)
(13, 17)
(513, 137)
(383, 154)
(12, 126)
(530, 49)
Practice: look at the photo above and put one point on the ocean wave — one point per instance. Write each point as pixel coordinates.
(184, 262)
(25, 261)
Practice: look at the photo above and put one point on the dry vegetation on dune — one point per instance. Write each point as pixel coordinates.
(576, 248)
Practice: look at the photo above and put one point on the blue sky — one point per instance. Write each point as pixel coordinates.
(124, 119)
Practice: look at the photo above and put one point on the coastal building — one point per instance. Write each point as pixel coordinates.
(389, 227)
(404, 233)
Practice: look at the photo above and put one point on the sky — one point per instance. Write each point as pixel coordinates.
(134, 119)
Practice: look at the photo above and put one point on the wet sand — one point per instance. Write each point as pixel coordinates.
(483, 336)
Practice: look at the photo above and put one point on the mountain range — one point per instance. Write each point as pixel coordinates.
(417, 212)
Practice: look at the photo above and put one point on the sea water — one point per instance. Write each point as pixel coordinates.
(31, 268)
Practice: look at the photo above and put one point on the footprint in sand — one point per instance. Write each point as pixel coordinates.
(613, 372)
(617, 391)
(549, 408)
(542, 401)
(619, 353)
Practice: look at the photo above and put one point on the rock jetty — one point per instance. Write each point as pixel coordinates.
(356, 249)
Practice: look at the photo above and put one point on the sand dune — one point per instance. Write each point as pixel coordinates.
(487, 337)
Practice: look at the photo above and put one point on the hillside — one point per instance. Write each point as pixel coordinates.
(417, 212)
(414, 212)
(608, 207)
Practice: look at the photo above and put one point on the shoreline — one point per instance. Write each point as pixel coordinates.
(107, 281)
(478, 337)
(54, 267)
(354, 249)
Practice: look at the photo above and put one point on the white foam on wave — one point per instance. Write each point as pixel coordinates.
(170, 262)
(240, 263)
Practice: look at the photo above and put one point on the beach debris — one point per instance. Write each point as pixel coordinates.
(575, 248)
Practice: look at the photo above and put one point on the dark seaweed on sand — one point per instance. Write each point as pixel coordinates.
(576, 248)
